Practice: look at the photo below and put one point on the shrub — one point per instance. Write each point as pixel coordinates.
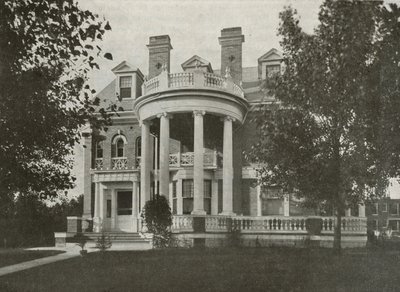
(103, 242)
(158, 218)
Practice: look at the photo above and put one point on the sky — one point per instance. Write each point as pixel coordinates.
(194, 28)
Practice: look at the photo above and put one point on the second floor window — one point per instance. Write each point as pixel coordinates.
(99, 149)
(125, 85)
(118, 146)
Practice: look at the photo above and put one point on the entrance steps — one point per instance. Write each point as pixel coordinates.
(121, 240)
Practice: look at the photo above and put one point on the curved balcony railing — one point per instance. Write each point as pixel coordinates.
(197, 79)
(210, 159)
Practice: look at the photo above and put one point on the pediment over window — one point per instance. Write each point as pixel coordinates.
(271, 55)
(197, 62)
(125, 67)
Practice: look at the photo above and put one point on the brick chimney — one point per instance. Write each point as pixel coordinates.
(231, 51)
(159, 54)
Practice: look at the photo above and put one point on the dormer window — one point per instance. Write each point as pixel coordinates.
(125, 85)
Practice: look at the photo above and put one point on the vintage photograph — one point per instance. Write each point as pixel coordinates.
(195, 145)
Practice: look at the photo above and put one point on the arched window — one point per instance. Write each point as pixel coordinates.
(138, 147)
(118, 146)
(99, 149)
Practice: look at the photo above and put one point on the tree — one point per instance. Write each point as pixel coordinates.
(47, 48)
(324, 140)
(158, 218)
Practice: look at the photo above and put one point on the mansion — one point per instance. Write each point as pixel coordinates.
(182, 135)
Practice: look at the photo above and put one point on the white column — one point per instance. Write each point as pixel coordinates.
(170, 198)
(361, 210)
(164, 155)
(259, 200)
(113, 209)
(214, 197)
(227, 170)
(145, 164)
(97, 200)
(96, 218)
(198, 165)
(347, 212)
(286, 205)
(135, 209)
(101, 206)
(179, 199)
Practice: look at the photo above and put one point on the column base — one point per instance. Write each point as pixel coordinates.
(198, 212)
(227, 213)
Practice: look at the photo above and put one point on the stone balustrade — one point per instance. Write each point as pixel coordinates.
(182, 223)
(197, 79)
(268, 224)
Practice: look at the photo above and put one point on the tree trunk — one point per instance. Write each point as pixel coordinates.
(337, 240)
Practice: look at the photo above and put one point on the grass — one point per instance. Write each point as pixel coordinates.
(11, 256)
(257, 269)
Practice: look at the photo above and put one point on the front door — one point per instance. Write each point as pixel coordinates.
(125, 221)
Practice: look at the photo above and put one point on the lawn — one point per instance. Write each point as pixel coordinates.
(262, 269)
(11, 256)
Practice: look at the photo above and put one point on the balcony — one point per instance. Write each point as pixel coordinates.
(196, 79)
(175, 160)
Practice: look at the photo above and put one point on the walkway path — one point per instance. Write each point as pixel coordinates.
(69, 253)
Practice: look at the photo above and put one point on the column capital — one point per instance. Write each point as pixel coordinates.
(228, 118)
(165, 115)
(145, 122)
(199, 113)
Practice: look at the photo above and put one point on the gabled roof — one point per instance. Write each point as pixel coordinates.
(125, 67)
(197, 61)
(271, 55)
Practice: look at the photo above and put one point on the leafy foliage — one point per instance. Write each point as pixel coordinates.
(158, 218)
(29, 221)
(331, 136)
(47, 48)
(103, 242)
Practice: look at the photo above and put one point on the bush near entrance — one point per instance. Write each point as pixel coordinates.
(158, 218)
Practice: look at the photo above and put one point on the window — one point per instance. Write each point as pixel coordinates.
(99, 149)
(174, 202)
(394, 209)
(393, 224)
(384, 207)
(271, 70)
(374, 209)
(374, 224)
(125, 85)
(118, 146)
(108, 208)
(187, 188)
(207, 196)
(187, 196)
(124, 203)
(138, 146)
